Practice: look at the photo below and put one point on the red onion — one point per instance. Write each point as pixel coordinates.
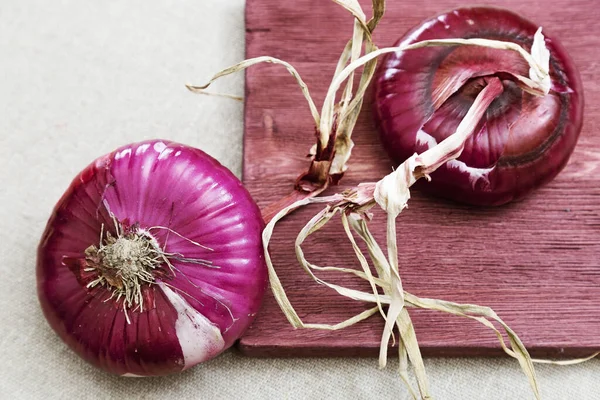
(152, 260)
(522, 142)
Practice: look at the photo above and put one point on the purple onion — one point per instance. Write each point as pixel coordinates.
(522, 142)
(180, 223)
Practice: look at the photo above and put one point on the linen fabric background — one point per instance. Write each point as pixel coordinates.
(80, 78)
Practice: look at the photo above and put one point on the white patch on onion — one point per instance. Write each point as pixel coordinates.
(389, 73)
(142, 148)
(475, 174)
(165, 154)
(159, 147)
(199, 338)
(125, 153)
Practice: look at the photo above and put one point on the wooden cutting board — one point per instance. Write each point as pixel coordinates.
(536, 262)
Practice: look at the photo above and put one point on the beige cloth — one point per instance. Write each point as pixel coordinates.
(78, 79)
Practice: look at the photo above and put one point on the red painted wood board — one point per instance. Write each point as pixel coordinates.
(535, 262)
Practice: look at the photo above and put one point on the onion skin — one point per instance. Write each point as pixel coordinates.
(190, 315)
(524, 142)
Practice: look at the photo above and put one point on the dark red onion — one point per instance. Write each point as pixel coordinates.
(523, 140)
(199, 215)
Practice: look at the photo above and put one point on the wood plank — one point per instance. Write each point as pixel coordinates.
(536, 262)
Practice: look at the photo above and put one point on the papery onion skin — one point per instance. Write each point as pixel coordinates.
(525, 140)
(189, 316)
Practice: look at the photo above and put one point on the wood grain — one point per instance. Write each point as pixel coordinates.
(536, 262)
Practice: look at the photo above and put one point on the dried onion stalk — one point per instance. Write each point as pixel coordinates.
(329, 162)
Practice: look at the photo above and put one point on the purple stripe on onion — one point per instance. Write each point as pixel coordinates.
(522, 142)
(152, 260)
